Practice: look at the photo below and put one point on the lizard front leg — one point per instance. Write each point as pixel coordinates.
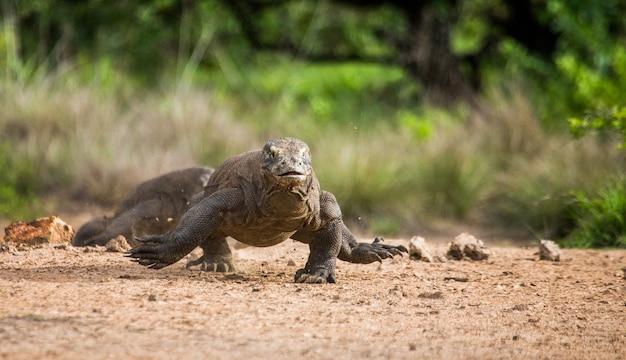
(324, 245)
(365, 253)
(200, 222)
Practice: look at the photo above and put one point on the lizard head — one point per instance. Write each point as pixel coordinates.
(287, 160)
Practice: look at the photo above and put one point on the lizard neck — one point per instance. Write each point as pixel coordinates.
(290, 202)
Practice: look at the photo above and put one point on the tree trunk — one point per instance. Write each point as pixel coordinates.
(432, 62)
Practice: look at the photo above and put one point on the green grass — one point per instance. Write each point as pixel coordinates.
(601, 219)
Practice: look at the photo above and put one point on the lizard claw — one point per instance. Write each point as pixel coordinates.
(151, 264)
(319, 275)
(376, 251)
(153, 252)
(213, 263)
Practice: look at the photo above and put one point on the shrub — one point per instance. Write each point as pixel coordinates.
(601, 220)
(607, 120)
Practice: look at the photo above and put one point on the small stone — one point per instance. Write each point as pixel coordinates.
(418, 249)
(455, 249)
(477, 251)
(437, 295)
(466, 245)
(118, 244)
(549, 250)
(520, 307)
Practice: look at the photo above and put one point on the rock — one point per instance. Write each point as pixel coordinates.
(46, 230)
(418, 249)
(477, 251)
(466, 245)
(118, 244)
(549, 250)
(428, 295)
(455, 250)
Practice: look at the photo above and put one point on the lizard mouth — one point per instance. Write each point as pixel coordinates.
(291, 177)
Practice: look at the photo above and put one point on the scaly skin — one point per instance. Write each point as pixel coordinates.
(262, 198)
(154, 206)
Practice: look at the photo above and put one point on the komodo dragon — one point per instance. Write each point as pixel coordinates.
(153, 207)
(262, 198)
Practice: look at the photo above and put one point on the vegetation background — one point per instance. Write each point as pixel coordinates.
(420, 111)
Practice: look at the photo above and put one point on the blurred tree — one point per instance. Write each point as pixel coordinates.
(139, 34)
(419, 32)
(450, 46)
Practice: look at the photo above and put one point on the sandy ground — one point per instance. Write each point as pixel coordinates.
(75, 303)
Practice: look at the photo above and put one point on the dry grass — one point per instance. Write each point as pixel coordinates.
(96, 146)
(95, 142)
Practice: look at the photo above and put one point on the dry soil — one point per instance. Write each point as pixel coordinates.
(74, 303)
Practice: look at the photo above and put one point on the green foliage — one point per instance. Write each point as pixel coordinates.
(315, 28)
(600, 220)
(418, 127)
(609, 120)
(591, 86)
(591, 61)
(330, 93)
(423, 122)
(17, 191)
(470, 32)
(586, 70)
(148, 38)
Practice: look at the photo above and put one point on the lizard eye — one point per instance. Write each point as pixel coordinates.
(273, 152)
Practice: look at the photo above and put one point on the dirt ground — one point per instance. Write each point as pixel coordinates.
(73, 303)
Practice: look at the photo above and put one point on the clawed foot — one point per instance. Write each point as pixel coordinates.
(213, 263)
(152, 253)
(318, 275)
(365, 253)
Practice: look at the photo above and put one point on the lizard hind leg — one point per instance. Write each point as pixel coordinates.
(217, 256)
(90, 231)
